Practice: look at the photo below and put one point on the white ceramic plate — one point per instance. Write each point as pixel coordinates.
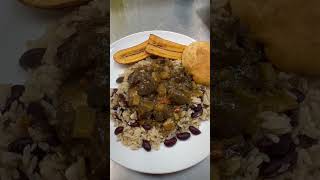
(166, 160)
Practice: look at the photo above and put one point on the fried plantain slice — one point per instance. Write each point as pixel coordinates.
(151, 49)
(131, 55)
(133, 58)
(165, 44)
(54, 4)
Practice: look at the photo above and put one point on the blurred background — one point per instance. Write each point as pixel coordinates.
(19, 24)
(188, 17)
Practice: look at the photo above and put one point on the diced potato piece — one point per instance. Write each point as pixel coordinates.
(155, 76)
(74, 94)
(159, 107)
(162, 90)
(165, 75)
(134, 98)
(84, 122)
(168, 125)
(147, 106)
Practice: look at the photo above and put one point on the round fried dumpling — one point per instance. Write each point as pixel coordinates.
(288, 29)
(196, 60)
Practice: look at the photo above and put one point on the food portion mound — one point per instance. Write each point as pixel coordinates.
(265, 120)
(55, 124)
(159, 96)
(154, 90)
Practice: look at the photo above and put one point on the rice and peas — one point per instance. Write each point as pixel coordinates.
(136, 132)
(285, 143)
(30, 146)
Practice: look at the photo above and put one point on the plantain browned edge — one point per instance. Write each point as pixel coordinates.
(65, 5)
(151, 49)
(123, 56)
(165, 44)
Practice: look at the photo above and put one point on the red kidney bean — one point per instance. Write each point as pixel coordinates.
(22, 175)
(48, 99)
(118, 130)
(32, 58)
(183, 136)
(134, 124)
(170, 142)
(17, 91)
(300, 96)
(146, 145)
(115, 107)
(194, 130)
(120, 79)
(197, 111)
(6, 108)
(53, 140)
(146, 127)
(306, 141)
(37, 111)
(122, 99)
(114, 91)
(272, 149)
(273, 167)
(18, 145)
(39, 153)
(293, 115)
(269, 169)
(196, 108)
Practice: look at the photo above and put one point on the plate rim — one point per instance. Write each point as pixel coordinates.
(143, 32)
(162, 172)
